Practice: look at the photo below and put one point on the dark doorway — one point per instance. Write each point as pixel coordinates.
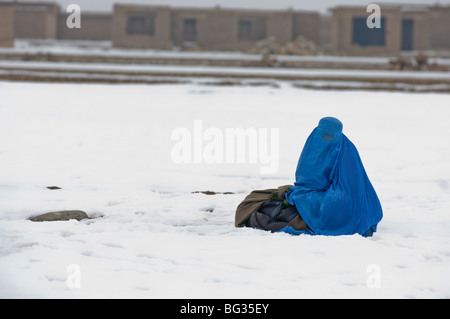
(190, 30)
(365, 36)
(407, 34)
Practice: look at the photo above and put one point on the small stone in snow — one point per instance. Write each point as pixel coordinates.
(60, 215)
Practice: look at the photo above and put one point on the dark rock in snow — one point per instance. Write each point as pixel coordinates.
(53, 187)
(60, 215)
(212, 193)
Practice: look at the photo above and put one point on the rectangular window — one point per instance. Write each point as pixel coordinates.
(141, 23)
(365, 36)
(252, 28)
(190, 30)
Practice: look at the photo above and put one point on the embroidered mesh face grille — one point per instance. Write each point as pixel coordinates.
(327, 137)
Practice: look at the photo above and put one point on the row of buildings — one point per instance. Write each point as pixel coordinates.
(344, 31)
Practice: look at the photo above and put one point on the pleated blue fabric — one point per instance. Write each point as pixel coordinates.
(332, 191)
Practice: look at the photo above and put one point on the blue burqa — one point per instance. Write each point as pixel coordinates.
(332, 192)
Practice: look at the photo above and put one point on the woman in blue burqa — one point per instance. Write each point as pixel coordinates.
(332, 194)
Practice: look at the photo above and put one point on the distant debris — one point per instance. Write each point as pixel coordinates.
(299, 46)
(269, 48)
(53, 187)
(419, 62)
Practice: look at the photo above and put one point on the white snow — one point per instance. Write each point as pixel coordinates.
(108, 147)
(105, 48)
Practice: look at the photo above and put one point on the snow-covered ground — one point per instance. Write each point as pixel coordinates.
(109, 148)
(409, 81)
(224, 71)
(106, 49)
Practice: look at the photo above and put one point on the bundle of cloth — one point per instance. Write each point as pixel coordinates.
(332, 194)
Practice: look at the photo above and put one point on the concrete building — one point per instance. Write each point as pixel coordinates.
(94, 26)
(207, 29)
(415, 29)
(222, 29)
(310, 25)
(6, 25)
(35, 20)
(139, 26)
(402, 29)
(324, 41)
(440, 28)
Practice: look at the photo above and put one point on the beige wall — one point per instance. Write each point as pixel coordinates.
(36, 20)
(325, 33)
(159, 40)
(217, 29)
(214, 31)
(421, 29)
(280, 26)
(342, 31)
(307, 24)
(6, 26)
(94, 26)
(440, 28)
